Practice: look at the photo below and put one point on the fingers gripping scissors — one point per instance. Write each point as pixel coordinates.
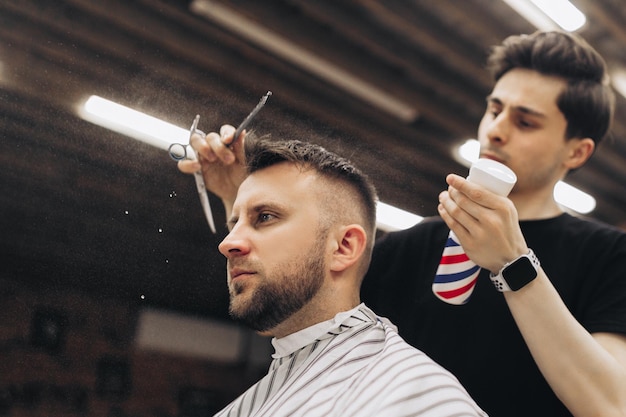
(178, 152)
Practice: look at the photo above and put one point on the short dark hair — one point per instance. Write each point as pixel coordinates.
(262, 152)
(588, 101)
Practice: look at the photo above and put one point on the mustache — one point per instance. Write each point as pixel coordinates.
(238, 267)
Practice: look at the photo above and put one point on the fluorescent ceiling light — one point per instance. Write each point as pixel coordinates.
(549, 14)
(573, 198)
(132, 123)
(529, 12)
(564, 13)
(309, 61)
(390, 218)
(564, 194)
(161, 134)
(619, 80)
(468, 152)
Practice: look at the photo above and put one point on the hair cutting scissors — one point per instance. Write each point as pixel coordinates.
(178, 152)
(249, 117)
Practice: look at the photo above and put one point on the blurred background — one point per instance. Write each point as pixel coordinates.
(113, 299)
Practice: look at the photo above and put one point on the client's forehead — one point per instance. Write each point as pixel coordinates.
(284, 181)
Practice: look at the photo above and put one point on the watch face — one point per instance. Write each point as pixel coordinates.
(519, 273)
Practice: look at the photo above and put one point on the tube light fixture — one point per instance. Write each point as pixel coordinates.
(390, 218)
(549, 14)
(133, 123)
(302, 58)
(618, 78)
(467, 152)
(573, 198)
(564, 194)
(161, 134)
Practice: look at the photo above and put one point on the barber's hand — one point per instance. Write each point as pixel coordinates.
(485, 223)
(223, 168)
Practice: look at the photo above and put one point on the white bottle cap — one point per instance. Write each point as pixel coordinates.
(494, 176)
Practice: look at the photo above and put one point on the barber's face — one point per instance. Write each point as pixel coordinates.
(524, 128)
(275, 250)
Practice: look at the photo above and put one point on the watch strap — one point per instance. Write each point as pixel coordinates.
(498, 279)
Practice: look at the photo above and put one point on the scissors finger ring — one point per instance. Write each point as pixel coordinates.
(178, 151)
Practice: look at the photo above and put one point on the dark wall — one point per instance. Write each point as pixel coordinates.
(65, 353)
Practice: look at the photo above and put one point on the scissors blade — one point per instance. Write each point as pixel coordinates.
(249, 118)
(200, 185)
(204, 199)
(194, 126)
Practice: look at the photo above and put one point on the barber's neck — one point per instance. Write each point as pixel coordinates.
(536, 205)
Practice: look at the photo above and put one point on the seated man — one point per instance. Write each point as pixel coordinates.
(301, 236)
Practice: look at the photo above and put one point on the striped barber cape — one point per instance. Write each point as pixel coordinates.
(353, 365)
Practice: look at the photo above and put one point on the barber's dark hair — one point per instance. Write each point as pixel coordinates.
(264, 152)
(588, 101)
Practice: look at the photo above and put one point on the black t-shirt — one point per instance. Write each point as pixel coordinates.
(479, 341)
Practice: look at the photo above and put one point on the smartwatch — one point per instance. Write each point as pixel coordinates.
(517, 273)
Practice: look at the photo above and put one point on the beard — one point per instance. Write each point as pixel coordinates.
(292, 286)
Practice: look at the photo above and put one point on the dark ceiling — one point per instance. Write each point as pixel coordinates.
(85, 208)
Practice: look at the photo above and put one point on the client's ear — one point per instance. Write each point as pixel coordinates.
(350, 245)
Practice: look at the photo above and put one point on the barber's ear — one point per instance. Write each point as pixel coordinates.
(350, 242)
(580, 151)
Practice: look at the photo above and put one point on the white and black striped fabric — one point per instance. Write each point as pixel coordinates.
(353, 365)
